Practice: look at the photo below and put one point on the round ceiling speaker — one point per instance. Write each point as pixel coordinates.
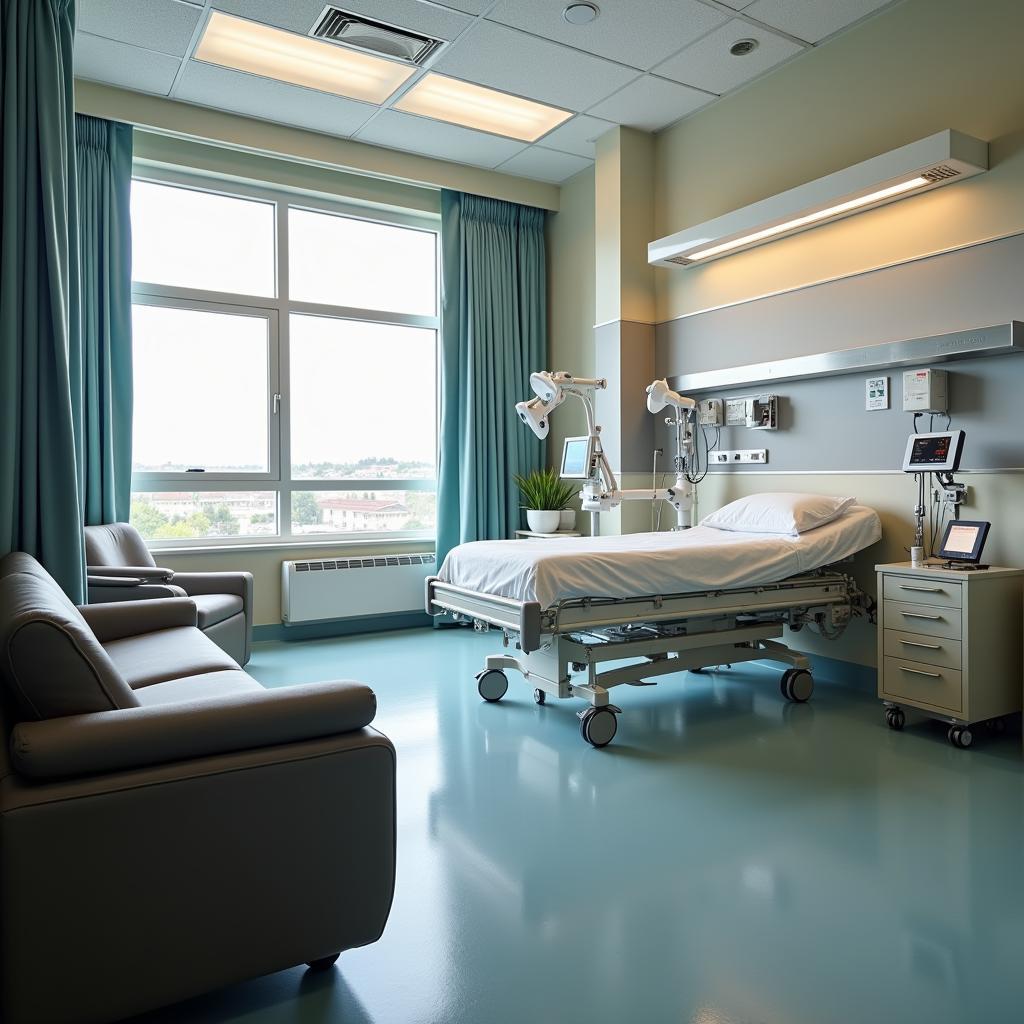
(580, 14)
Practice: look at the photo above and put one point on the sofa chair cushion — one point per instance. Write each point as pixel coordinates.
(214, 608)
(51, 662)
(167, 654)
(207, 685)
(115, 544)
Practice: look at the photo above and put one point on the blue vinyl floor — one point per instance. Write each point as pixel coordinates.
(729, 858)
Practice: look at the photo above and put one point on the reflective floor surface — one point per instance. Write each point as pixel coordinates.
(729, 858)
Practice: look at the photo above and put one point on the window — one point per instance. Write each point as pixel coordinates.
(285, 358)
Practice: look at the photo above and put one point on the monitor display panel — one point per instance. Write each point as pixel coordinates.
(963, 541)
(577, 454)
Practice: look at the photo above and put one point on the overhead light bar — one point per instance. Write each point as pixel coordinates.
(938, 160)
(475, 106)
(273, 53)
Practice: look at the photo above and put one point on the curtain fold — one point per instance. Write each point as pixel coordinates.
(102, 394)
(39, 491)
(493, 335)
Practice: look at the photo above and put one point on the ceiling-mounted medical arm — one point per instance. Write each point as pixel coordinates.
(680, 495)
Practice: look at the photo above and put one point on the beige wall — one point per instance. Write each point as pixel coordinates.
(916, 69)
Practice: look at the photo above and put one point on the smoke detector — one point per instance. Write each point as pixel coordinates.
(581, 14)
(337, 26)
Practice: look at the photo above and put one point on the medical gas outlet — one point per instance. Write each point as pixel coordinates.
(744, 456)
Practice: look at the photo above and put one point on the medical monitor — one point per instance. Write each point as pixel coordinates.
(577, 458)
(934, 453)
(963, 541)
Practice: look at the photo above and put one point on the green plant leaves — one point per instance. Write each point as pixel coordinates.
(544, 490)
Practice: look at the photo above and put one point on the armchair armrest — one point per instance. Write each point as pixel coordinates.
(161, 733)
(147, 573)
(103, 589)
(117, 619)
(198, 583)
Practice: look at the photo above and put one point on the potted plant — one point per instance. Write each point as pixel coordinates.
(544, 496)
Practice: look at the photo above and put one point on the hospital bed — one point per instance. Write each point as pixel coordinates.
(665, 602)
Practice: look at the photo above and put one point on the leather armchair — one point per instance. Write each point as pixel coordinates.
(121, 568)
(146, 783)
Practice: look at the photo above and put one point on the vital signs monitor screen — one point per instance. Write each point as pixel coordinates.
(576, 456)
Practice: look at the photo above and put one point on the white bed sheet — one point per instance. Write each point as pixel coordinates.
(642, 564)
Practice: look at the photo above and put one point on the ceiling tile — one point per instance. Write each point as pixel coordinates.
(435, 138)
(161, 25)
(131, 67)
(620, 32)
(812, 20)
(577, 135)
(301, 15)
(270, 100)
(738, 5)
(544, 164)
(708, 64)
(503, 58)
(650, 103)
(469, 6)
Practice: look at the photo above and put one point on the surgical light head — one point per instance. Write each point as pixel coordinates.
(534, 414)
(659, 395)
(545, 387)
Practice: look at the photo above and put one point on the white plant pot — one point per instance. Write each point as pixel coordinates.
(567, 519)
(543, 520)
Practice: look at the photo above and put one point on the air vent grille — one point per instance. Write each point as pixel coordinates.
(940, 173)
(681, 260)
(337, 26)
(370, 562)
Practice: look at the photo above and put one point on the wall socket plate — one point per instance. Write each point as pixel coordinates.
(745, 455)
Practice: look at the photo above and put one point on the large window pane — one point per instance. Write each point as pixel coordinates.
(362, 400)
(362, 511)
(193, 239)
(346, 262)
(195, 515)
(201, 391)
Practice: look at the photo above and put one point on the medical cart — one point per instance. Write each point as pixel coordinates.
(949, 644)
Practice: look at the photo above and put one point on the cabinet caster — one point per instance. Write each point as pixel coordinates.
(539, 696)
(598, 726)
(797, 685)
(492, 684)
(895, 718)
(960, 736)
(325, 963)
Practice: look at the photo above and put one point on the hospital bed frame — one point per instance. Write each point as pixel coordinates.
(662, 634)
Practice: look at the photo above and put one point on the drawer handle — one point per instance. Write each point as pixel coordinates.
(920, 672)
(922, 590)
(927, 647)
(921, 615)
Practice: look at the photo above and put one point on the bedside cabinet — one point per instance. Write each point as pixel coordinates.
(949, 644)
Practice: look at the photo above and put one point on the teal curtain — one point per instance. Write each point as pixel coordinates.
(102, 372)
(39, 494)
(493, 336)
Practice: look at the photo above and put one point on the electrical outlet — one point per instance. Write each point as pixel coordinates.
(745, 455)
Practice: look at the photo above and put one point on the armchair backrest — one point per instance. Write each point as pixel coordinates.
(51, 663)
(116, 544)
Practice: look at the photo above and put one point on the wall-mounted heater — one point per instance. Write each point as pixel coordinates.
(343, 588)
(938, 160)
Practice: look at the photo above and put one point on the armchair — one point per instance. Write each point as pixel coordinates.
(121, 568)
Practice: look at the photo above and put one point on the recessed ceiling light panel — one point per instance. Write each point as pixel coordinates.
(273, 53)
(474, 106)
(581, 14)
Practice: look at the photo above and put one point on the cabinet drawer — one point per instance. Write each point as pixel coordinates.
(920, 590)
(931, 650)
(923, 684)
(921, 618)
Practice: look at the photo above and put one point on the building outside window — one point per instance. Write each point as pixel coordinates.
(285, 355)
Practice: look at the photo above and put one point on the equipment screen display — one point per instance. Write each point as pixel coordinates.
(576, 458)
(961, 540)
(931, 451)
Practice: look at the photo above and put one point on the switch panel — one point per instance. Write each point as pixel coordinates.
(745, 455)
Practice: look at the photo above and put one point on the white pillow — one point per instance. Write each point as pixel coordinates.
(781, 512)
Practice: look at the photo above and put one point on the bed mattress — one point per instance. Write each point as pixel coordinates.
(644, 564)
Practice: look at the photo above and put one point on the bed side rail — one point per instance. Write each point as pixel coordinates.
(522, 617)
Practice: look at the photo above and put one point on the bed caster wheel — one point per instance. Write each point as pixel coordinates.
(797, 685)
(960, 736)
(325, 963)
(492, 684)
(895, 718)
(598, 726)
(539, 696)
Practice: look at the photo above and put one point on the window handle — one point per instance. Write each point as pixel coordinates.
(277, 404)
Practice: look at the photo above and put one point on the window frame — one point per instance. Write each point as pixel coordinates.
(277, 310)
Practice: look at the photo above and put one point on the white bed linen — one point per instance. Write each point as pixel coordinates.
(641, 564)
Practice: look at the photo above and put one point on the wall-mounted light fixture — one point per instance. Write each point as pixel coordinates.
(940, 159)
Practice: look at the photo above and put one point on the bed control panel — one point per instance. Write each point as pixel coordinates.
(744, 455)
